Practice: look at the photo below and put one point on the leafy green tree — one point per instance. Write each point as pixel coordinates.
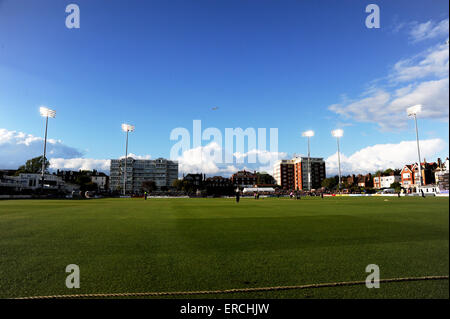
(189, 187)
(91, 186)
(345, 183)
(149, 185)
(85, 182)
(33, 165)
(356, 189)
(264, 178)
(178, 184)
(82, 179)
(397, 186)
(379, 173)
(330, 183)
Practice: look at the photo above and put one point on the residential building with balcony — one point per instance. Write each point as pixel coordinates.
(284, 174)
(293, 173)
(305, 167)
(162, 171)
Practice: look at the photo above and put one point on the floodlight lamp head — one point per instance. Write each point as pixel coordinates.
(46, 112)
(127, 127)
(413, 110)
(337, 133)
(309, 133)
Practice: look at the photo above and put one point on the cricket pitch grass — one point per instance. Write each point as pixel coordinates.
(163, 245)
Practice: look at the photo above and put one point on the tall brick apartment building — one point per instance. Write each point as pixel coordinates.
(283, 172)
(293, 173)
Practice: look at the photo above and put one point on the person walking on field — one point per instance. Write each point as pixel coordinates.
(145, 195)
(237, 196)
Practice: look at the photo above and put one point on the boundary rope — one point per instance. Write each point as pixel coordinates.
(236, 290)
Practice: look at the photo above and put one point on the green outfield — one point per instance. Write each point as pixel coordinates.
(132, 245)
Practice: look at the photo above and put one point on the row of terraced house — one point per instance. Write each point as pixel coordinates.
(434, 174)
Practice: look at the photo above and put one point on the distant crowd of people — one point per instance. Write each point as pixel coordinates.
(283, 193)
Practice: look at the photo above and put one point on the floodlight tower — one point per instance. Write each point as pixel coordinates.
(412, 112)
(338, 134)
(45, 112)
(126, 128)
(309, 134)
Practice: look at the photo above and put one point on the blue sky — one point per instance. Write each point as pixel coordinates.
(292, 65)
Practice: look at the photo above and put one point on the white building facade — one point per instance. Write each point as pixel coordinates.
(100, 180)
(33, 181)
(162, 171)
(386, 181)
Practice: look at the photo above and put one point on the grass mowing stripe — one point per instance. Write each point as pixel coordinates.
(126, 245)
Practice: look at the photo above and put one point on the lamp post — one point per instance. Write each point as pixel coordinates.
(126, 128)
(309, 134)
(338, 134)
(45, 112)
(412, 112)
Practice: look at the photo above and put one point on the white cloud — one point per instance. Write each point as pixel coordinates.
(199, 159)
(433, 95)
(383, 156)
(209, 160)
(262, 156)
(17, 147)
(422, 79)
(363, 110)
(429, 30)
(432, 62)
(144, 157)
(79, 163)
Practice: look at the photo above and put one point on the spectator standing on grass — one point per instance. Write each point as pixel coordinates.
(145, 195)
